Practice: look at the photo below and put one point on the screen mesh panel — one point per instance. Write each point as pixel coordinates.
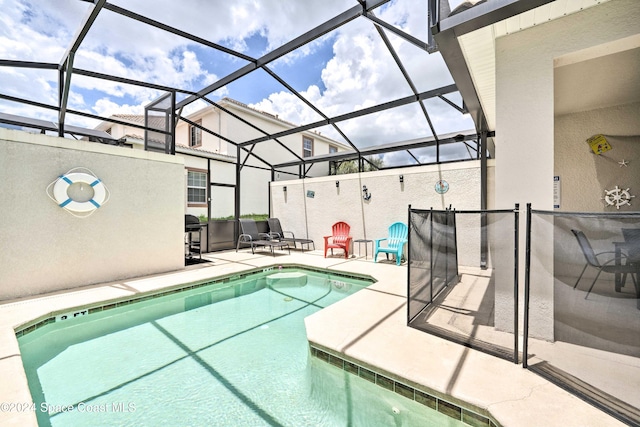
(584, 307)
(463, 278)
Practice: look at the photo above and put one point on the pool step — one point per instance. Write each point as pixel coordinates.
(287, 280)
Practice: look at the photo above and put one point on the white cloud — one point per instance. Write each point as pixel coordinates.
(42, 32)
(32, 31)
(106, 107)
(232, 22)
(360, 73)
(289, 107)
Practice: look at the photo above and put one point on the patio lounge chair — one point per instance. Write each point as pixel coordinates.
(339, 238)
(251, 236)
(395, 242)
(612, 265)
(276, 233)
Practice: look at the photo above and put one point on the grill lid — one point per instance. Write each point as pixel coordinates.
(191, 223)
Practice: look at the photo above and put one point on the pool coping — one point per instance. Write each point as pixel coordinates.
(53, 317)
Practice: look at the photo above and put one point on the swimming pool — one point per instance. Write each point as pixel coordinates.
(231, 353)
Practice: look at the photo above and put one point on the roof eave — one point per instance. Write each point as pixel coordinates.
(446, 34)
(484, 14)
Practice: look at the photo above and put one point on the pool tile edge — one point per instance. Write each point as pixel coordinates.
(51, 317)
(420, 394)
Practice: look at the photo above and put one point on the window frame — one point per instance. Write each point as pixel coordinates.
(197, 136)
(206, 188)
(304, 150)
(333, 165)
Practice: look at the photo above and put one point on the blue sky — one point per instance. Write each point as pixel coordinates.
(345, 70)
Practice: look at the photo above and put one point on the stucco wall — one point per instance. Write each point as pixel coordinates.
(313, 217)
(584, 175)
(525, 95)
(140, 230)
(525, 122)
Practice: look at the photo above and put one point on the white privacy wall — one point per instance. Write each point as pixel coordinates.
(139, 231)
(313, 217)
(525, 122)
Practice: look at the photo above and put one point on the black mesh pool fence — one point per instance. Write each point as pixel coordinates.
(462, 277)
(582, 306)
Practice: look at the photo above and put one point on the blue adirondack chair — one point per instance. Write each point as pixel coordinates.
(395, 242)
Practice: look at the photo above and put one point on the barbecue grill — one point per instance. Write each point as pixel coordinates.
(191, 223)
(192, 246)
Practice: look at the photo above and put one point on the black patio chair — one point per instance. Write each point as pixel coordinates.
(275, 231)
(251, 236)
(612, 265)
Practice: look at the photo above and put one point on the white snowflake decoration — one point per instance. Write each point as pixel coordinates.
(617, 197)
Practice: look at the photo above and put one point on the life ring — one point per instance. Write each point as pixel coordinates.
(79, 192)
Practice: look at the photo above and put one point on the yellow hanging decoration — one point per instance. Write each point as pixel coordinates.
(599, 144)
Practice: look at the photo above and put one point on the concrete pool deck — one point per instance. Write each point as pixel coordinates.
(369, 326)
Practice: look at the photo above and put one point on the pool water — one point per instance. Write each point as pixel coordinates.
(228, 354)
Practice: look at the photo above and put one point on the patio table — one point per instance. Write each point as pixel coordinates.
(365, 241)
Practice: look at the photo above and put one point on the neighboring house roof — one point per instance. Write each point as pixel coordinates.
(184, 149)
(134, 136)
(272, 116)
(155, 121)
(18, 122)
(158, 121)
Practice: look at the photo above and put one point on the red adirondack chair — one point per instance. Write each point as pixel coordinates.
(339, 238)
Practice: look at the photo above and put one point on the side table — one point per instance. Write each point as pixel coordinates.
(365, 241)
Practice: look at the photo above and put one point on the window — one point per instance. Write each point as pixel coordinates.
(196, 187)
(195, 135)
(333, 165)
(307, 146)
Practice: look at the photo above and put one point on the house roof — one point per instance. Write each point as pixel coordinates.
(264, 113)
(184, 149)
(158, 122)
(155, 121)
(200, 152)
(44, 125)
